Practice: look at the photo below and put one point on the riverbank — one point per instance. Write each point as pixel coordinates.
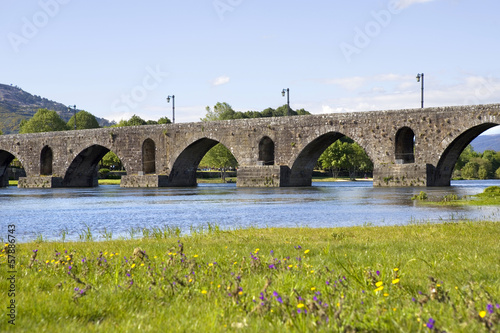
(410, 278)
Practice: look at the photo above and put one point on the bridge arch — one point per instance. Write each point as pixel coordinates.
(6, 158)
(405, 146)
(303, 166)
(184, 169)
(441, 174)
(149, 156)
(46, 158)
(82, 172)
(266, 151)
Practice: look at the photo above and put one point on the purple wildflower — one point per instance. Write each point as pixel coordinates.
(378, 272)
(77, 289)
(272, 266)
(489, 307)
(327, 283)
(35, 250)
(430, 323)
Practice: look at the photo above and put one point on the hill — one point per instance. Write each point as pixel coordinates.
(486, 142)
(17, 104)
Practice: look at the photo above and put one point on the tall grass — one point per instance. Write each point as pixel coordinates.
(415, 278)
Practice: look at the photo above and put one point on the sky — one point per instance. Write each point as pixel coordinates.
(120, 58)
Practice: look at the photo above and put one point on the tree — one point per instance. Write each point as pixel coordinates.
(84, 120)
(43, 121)
(221, 158)
(111, 161)
(344, 154)
(221, 111)
(164, 120)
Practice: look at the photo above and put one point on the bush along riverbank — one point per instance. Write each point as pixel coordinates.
(415, 278)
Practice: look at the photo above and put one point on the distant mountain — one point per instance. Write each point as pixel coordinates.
(486, 142)
(17, 104)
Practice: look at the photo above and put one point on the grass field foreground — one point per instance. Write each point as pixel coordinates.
(415, 278)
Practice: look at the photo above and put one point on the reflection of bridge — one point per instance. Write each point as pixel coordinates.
(408, 148)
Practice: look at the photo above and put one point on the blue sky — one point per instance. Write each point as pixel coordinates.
(119, 58)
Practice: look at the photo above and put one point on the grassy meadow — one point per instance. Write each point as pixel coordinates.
(414, 278)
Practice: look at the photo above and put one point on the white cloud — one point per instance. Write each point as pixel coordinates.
(220, 80)
(402, 4)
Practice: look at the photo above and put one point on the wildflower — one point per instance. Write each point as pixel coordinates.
(313, 288)
(482, 314)
(378, 284)
(272, 266)
(489, 307)
(298, 247)
(256, 250)
(379, 288)
(300, 305)
(386, 294)
(395, 281)
(312, 271)
(210, 264)
(290, 266)
(133, 265)
(203, 292)
(396, 269)
(378, 272)
(195, 256)
(327, 283)
(430, 324)
(306, 251)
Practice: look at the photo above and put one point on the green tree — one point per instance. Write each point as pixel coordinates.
(219, 157)
(164, 120)
(84, 120)
(43, 121)
(220, 111)
(470, 170)
(111, 161)
(344, 154)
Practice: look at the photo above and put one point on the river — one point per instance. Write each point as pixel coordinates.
(49, 213)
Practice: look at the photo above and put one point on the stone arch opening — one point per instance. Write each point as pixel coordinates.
(148, 156)
(10, 168)
(266, 151)
(441, 174)
(46, 158)
(185, 166)
(83, 170)
(405, 146)
(303, 166)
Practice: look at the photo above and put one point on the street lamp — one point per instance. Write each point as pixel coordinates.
(421, 76)
(287, 91)
(74, 112)
(173, 107)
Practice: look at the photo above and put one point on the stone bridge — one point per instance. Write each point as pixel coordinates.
(417, 147)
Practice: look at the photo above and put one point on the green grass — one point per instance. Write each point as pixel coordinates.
(257, 280)
(489, 197)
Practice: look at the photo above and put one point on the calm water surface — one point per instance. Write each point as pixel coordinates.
(47, 212)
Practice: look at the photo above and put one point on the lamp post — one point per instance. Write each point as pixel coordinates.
(420, 76)
(287, 91)
(74, 113)
(173, 107)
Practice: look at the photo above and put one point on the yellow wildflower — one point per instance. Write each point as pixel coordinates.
(313, 288)
(203, 291)
(300, 305)
(379, 288)
(306, 251)
(195, 256)
(386, 294)
(482, 314)
(133, 265)
(395, 281)
(396, 269)
(378, 284)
